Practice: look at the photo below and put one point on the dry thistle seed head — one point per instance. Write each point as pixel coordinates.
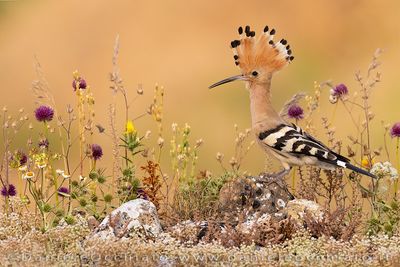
(160, 142)
(371, 115)
(100, 128)
(145, 153)
(139, 90)
(174, 127)
(333, 99)
(352, 139)
(199, 143)
(350, 152)
(366, 150)
(220, 156)
(69, 109)
(147, 134)
(233, 162)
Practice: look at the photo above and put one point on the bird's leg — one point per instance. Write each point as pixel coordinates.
(282, 173)
(279, 175)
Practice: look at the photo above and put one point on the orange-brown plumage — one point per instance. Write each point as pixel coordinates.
(260, 53)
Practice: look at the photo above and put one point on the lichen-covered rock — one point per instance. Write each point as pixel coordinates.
(253, 195)
(253, 222)
(298, 208)
(137, 215)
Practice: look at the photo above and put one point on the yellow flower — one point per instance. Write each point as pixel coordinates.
(130, 128)
(92, 187)
(75, 74)
(365, 162)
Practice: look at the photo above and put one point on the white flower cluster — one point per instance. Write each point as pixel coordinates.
(384, 169)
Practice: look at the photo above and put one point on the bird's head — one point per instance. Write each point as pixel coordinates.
(258, 58)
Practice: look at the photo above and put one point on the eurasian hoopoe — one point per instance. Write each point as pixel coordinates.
(258, 59)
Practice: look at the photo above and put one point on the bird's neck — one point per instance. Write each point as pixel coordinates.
(263, 115)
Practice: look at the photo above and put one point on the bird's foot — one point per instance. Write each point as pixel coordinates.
(277, 179)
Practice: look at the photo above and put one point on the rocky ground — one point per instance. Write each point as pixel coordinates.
(266, 228)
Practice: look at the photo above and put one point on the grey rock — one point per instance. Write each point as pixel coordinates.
(137, 215)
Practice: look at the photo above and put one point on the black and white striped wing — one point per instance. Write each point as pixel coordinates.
(292, 140)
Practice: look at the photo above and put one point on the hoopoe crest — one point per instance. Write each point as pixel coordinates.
(258, 57)
(260, 53)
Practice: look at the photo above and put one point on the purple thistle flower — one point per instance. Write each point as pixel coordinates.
(4, 191)
(12, 191)
(340, 90)
(140, 193)
(43, 143)
(82, 84)
(63, 191)
(8, 192)
(19, 158)
(97, 152)
(22, 157)
(295, 112)
(395, 131)
(44, 113)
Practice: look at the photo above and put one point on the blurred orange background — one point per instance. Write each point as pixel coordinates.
(184, 46)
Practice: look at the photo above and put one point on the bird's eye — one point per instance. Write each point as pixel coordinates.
(254, 73)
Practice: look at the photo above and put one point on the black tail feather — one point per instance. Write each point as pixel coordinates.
(359, 170)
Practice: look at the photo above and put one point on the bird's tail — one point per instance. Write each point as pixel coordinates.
(349, 166)
(252, 53)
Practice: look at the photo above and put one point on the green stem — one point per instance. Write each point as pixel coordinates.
(46, 130)
(42, 183)
(80, 119)
(55, 185)
(39, 205)
(396, 181)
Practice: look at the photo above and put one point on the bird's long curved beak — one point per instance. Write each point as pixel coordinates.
(227, 80)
